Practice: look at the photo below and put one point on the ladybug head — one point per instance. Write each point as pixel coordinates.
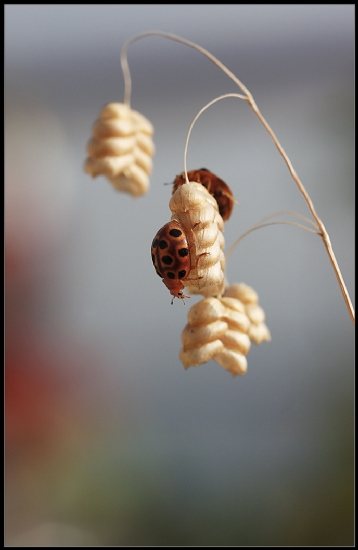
(175, 288)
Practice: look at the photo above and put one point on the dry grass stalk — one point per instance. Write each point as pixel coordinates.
(250, 100)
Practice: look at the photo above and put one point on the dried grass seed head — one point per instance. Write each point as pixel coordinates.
(216, 329)
(121, 149)
(258, 331)
(197, 212)
(215, 186)
(223, 329)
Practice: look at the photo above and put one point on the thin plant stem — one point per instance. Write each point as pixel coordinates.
(262, 223)
(249, 98)
(126, 72)
(260, 226)
(288, 213)
(196, 118)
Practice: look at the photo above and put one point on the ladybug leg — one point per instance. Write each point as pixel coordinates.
(192, 241)
(194, 226)
(190, 245)
(181, 297)
(198, 258)
(196, 265)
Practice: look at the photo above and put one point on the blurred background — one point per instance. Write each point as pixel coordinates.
(108, 440)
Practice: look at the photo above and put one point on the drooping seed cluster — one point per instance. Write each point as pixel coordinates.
(187, 251)
(121, 149)
(197, 212)
(223, 324)
(216, 187)
(258, 331)
(217, 329)
(221, 329)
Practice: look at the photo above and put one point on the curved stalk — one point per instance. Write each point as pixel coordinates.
(322, 230)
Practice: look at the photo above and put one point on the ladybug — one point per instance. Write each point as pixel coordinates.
(171, 257)
(216, 187)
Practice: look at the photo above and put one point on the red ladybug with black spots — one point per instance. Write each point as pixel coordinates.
(171, 257)
(216, 187)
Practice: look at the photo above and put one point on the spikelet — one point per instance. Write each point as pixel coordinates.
(216, 187)
(258, 331)
(197, 211)
(121, 149)
(217, 329)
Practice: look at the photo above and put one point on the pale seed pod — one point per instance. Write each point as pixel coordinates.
(195, 336)
(197, 356)
(197, 212)
(258, 331)
(236, 363)
(235, 314)
(217, 329)
(201, 336)
(209, 309)
(216, 187)
(121, 149)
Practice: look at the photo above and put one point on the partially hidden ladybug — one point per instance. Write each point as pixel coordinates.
(171, 257)
(216, 187)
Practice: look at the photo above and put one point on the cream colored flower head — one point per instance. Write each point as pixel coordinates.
(223, 329)
(197, 212)
(258, 331)
(121, 149)
(217, 329)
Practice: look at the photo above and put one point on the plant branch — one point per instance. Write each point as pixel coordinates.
(322, 230)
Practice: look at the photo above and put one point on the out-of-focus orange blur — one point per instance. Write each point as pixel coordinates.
(55, 394)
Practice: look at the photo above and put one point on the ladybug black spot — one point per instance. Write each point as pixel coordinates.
(155, 243)
(175, 232)
(183, 252)
(167, 260)
(170, 275)
(181, 274)
(163, 244)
